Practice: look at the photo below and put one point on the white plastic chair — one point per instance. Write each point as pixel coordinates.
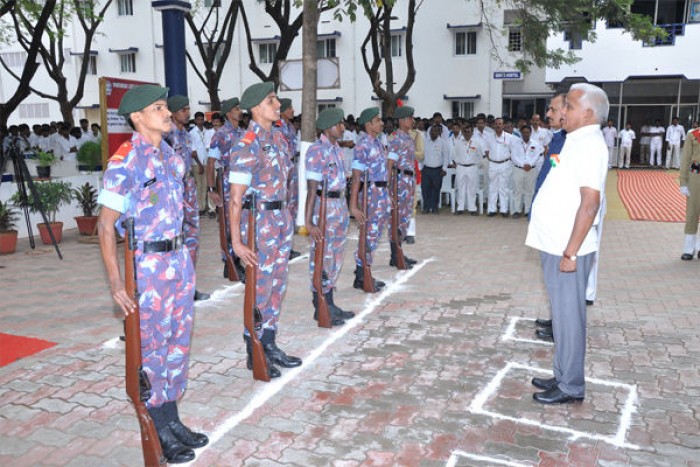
(448, 188)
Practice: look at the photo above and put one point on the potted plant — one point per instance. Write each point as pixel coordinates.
(86, 196)
(52, 196)
(89, 156)
(44, 161)
(8, 234)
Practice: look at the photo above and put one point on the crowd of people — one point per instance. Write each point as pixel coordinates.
(59, 138)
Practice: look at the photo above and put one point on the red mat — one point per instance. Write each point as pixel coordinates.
(651, 195)
(12, 348)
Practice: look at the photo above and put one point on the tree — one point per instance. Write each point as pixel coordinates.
(50, 47)
(214, 38)
(31, 46)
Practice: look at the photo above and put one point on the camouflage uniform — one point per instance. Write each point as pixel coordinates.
(289, 132)
(324, 164)
(259, 161)
(146, 183)
(370, 156)
(402, 149)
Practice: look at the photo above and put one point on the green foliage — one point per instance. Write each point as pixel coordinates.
(45, 159)
(8, 217)
(86, 196)
(52, 195)
(90, 154)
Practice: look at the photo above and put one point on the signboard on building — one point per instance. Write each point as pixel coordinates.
(507, 75)
(327, 74)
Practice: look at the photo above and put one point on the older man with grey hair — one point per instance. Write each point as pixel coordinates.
(563, 214)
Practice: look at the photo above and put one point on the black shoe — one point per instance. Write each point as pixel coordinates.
(225, 271)
(410, 240)
(589, 302)
(504, 214)
(358, 283)
(545, 334)
(293, 254)
(186, 436)
(491, 214)
(516, 215)
(555, 396)
(202, 212)
(278, 356)
(473, 213)
(272, 370)
(543, 323)
(688, 256)
(336, 310)
(173, 449)
(212, 214)
(200, 296)
(459, 213)
(336, 317)
(544, 383)
(240, 270)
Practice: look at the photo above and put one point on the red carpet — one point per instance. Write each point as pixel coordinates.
(651, 195)
(12, 348)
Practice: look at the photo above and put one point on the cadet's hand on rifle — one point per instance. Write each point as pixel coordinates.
(314, 232)
(215, 198)
(246, 254)
(121, 298)
(358, 215)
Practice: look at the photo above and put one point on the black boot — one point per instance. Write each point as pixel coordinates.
(200, 296)
(359, 280)
(173, 449)
(272, 370)
(186, 436)
(293, 254)
(336, 309)
(394, 261)
(336, 319)
(275, 354)
(240, 270)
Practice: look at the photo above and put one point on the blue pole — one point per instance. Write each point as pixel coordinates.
(174, 43)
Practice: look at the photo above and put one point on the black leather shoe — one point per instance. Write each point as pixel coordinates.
(545, 334)
(336, 310)
(491, 214)
(293, 254)
(199, 296)
(410, 240)
(504, 214)
(186, 436)
(544, 383)
(410, 261)
(555, 396)
(589, 302)
(359, 284)
(225, 271)
(278, 357)
(473, 213)
(272, 370)
(516, 215)
(543, 323)
(687, 256)
(173, 449)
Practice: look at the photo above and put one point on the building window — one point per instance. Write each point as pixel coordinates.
(267, 51)
(325, 48)
(575, 40)
(34, 111)
(125, 7)
(465, 43)
(92, 65)
(212, 3)
(127, 63)
(396, 45)
(462, 109)
(325, 106)
(515, 40)
(14, 59)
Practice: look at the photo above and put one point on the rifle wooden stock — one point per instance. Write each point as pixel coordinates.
(324, 315)
(367, 281)
(251, 314)
(223, 222)
(400, 260)
(138, 387)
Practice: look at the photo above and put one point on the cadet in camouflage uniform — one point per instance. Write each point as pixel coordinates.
(286, 125)
(324, 165)
(401, 164)
(370, 156)
(144, 181)
(220, 147)
(259, 164)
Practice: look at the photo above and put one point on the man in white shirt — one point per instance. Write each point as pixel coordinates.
(563, 214)
(626, 137)
(501, 148)
(644, 141)
(524, 173)
(64, 147)
(675, 135)
(539, 133)
(435, 162)
(438, 120)
(610, 136)
(467, 155)
(201, 137)
(655, 133)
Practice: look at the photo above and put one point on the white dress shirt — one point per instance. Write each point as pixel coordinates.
(675, 134)
(437, 153)
(610, 135)
(626, 137)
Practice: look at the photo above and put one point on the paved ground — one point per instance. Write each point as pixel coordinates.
(434, 371)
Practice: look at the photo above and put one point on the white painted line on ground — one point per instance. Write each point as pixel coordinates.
(113, 344)
(452, 461)
(477, 407)
(509, 334)
(276, 385)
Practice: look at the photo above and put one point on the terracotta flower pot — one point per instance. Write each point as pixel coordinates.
(86, 224)
(56, 228)
(8, 242)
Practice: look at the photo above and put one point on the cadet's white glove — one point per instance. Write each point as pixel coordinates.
(684, 191)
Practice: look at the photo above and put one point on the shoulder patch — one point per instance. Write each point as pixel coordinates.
(122, 152)
(696, 134)
(248, 138)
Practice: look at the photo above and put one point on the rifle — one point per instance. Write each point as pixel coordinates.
(394, 184)
(223, 222)
(367, 282)
(252, 319)
(138, 387)
(324, 316)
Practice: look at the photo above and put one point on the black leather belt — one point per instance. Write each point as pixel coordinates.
(379, 184)
(518, 166)
(266, 205)
(499, 162)
(163, 246)
(332, 194)
(405, 172)
(466, 165)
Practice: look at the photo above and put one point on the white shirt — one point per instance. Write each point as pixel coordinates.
(437, 153)
(542, 136)
(583, 162)
(532, 150)
(656, 133)
(675, 134)
(501, 148)
(348, 153)
(445, 132)
(626, 137)
(610, 134)
(61, 147)
(482, 138)
(645, 139)
(466, 152)
(200, 142)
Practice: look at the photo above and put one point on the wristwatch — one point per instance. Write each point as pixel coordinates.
(572, 257)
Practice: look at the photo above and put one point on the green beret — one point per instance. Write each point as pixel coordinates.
(255, 94)
(285, 104)
(329, 117)
(176, 103)
(367, 115)
(228, 104)
(404, 112)
(140, 97)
